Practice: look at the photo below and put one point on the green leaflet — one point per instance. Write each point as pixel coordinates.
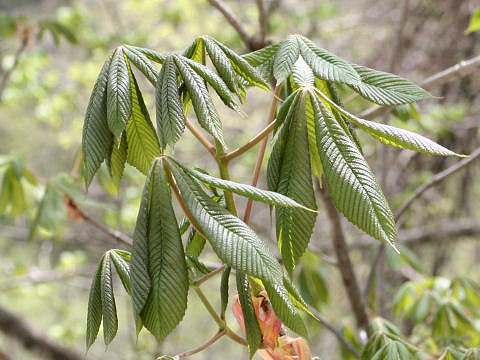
(150, 54)
(119, 100)
(252, 192)
(290, 174)
(302, 74)
(141, 62)
(202, 103)
(224, 68)
(94, 314)
(196, 51)
(287, 54)
(170, 114)
(263, 60)
(252, 329)
(215, 81)
(97, 139)
(12, 195)
(109, 309)
(143, 144)
(121, 260)
(326, 65)
(224, 291)
(288, 106)
(351, 183)
(242, 67)
(116, 161)
(233, 241)
(387, 89)
(159, 277)
(394, 136)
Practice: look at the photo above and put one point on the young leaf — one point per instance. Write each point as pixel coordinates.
(326, 65)
(143, 144)
(252, 329)
(119, 259)
(97, 139)
(263, 60)
(351, 183)
(302, 74)
(109, 309)
(386, 89)
(394, 136)
(119, 99)
(150, 54)
(223, 66)
(170, 114)
(287, 54)
(141, 62)
(252, 192)
(295, 226)
(202, 103)
(94, 314)
(161, 254)
(224, 290)
(215, 81)
(233, 241)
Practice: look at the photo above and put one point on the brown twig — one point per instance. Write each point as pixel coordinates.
(438, 178)
(262, 22)
(202, 347)
(261, 153)
(462, 69)
(254, 141)
(344, 263)
(233, 20)
(202, 139)
(327, 324)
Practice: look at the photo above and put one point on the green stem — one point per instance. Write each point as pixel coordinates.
(225, 175)
(209, 275)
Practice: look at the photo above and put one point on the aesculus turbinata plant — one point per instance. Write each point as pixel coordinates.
(314, 138)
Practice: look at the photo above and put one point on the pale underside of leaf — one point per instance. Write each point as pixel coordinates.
(116, 161)
(351, 183)
(302, 73)
(326, 65)
(387, 89)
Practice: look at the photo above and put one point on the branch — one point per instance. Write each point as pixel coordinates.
(32, 340)
(262, 22)
(233, 20)
(8, 73)
(438, 178)
(261, 153)
(462, 69)
(203, 140)
(344, 264)
(329, 326)
(202, 347)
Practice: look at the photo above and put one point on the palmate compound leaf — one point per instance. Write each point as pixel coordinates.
(97, 138)
(351, 183)
(119, 100)
(252, 192)
(385, 88)
(237, 245)
(101, 303)
(159, 280)
(289, 173)
(170, 114)
(394, 136)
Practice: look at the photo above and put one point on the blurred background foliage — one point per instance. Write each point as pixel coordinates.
(50, 54)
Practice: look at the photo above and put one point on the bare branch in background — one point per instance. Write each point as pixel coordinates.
(15, 327)
(6, 75)
(262, 22)
(344, 263)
